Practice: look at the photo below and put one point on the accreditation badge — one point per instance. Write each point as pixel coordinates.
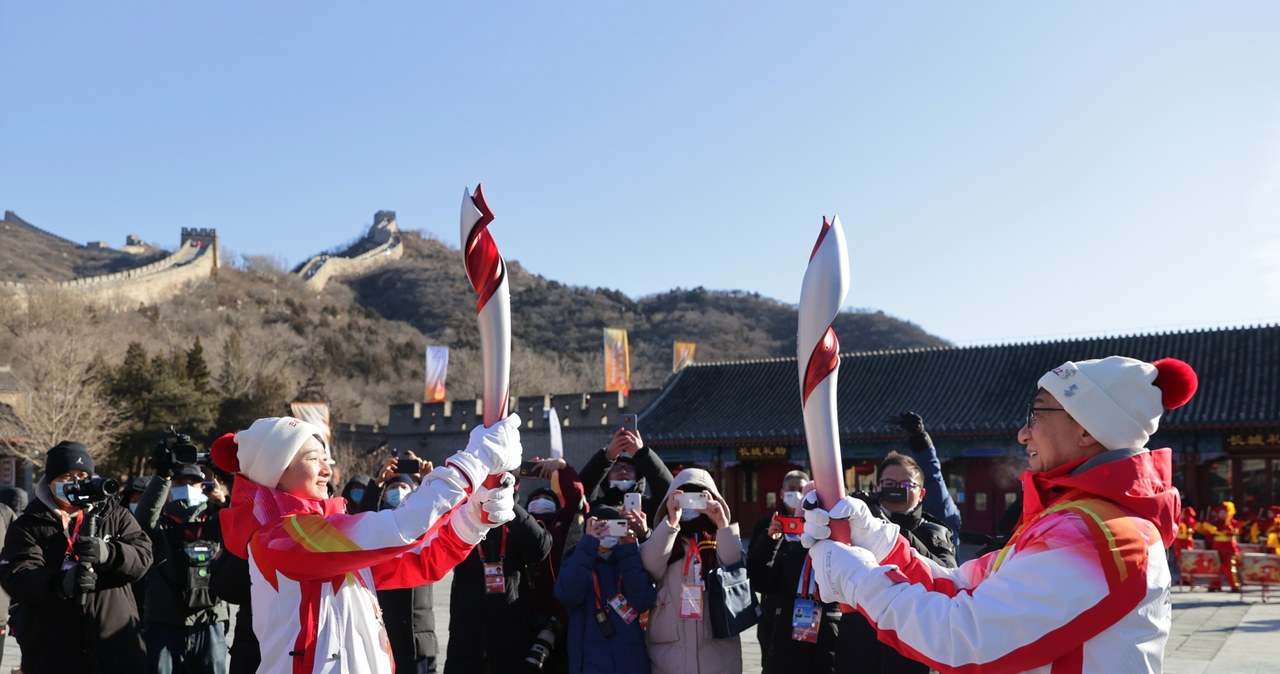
(494, 580)
(805, 616)
(691, 601)
(622, 607)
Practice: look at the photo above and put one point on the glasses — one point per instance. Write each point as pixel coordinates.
(905, 484)
(1031, 413)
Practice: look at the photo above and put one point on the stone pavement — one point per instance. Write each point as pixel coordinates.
(1212, 632)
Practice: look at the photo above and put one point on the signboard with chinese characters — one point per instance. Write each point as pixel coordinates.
(762, 453)
(1254, 440)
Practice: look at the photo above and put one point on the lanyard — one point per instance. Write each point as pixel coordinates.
(74, 535)
(693, 552)
(502, 551)
(808, 585)
(595, 581)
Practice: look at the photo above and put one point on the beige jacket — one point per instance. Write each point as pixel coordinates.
(679, 646)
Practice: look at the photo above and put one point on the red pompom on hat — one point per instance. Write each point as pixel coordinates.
(224, 453)
(1177, 382)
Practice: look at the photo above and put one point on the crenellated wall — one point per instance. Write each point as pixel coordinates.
(384, 234)
(195, 260)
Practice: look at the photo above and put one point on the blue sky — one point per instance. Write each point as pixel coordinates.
(1004, 171)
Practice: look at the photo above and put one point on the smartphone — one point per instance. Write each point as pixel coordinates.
(616, 527)
(529, 469)
(631, 502)
(629, 422)
(791, 525)
(408, 466)
(893, 495)
(694, 500)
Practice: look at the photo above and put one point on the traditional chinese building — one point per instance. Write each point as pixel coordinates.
(742, 420)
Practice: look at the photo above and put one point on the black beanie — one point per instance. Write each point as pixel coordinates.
(65, 457)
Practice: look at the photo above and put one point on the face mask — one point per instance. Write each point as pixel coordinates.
(188, 493)
(608, 542)
(394, 497)
(791, 499)
(357, 495)
(133, 508)
(686, 514)
(622, 485)
(59, 489)
(541, 506)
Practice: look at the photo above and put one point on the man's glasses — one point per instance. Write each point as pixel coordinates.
(905, 484)
(1032, 409)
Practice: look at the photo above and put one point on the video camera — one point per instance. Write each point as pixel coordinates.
(177, 449)
(95, 490)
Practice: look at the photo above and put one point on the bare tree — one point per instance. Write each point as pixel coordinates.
(55, 350)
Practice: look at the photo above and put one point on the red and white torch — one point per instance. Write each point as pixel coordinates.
(487, 272)
(826, 283)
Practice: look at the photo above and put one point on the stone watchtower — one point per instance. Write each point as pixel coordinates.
(203, 237)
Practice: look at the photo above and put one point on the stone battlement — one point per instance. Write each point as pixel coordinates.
(384, 236)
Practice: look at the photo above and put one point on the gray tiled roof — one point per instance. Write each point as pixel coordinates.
(969, 391)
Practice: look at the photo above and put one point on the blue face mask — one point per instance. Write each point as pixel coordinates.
(394, 497)
(60, 489)
(357, 495)
(193, 495)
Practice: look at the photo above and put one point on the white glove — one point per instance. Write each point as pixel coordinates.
(490, 450)
(498, 503)
(865, 530)
(838, 568)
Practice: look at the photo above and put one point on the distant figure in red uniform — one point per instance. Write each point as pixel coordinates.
(1221, 531)
(1272, 534)
(1186, 534)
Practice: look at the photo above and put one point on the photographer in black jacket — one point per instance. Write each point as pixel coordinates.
(69, 560)
(183, 618)
(899, 499)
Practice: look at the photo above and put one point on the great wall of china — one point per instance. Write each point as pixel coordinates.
(197, 259)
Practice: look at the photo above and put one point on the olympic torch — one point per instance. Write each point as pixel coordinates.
(826, 283)
(487, 272)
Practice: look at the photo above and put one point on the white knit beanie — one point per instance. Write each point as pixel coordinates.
(1119, 400)
(266, 448)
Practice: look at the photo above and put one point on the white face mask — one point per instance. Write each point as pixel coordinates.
(622, 485)
(792, 499)
(608, 542)
(541, 506)
(687, 514)
(133, 507)
(194, 496)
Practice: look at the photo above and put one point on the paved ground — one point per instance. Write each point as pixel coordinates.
(1212, 632)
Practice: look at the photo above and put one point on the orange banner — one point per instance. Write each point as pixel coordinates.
(437, 371)
(617, 361)
(682, 355)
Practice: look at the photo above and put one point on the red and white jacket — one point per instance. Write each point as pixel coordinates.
(315, 569)
(1082, 586)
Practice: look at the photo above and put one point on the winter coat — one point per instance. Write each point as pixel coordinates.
(590, 651)
(230, 580)
(58, 635)
(7, 518)
(775, 568)
(173, 596)
(409, 613)
(676, 645)
(1082, 586)
(496, 629)
(858, 649)
(314, 569)
(651, 474)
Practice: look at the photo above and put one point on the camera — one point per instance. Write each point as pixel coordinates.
(893, 495)
(617, 528)
(95, 490)
(529, 469)
(178, 450)
(543, 644)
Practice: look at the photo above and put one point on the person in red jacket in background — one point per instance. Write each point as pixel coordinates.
(1221, 531)
(1271, 536)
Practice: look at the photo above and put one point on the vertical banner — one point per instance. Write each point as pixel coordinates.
(314, 413)
(557, 441)
(617, 361)
(437, 370)
(682, 355)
